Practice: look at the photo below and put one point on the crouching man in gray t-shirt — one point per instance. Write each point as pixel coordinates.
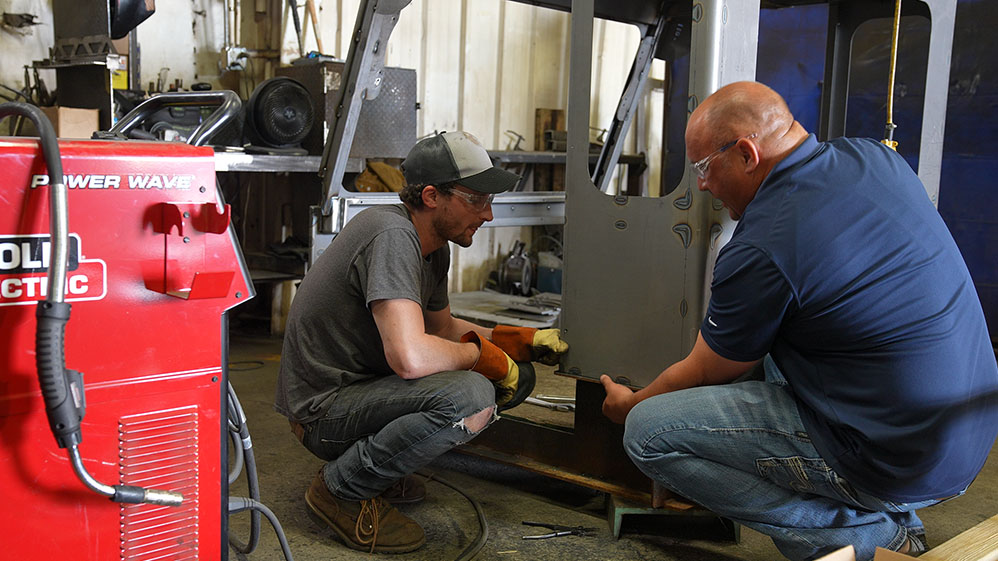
(377, 377)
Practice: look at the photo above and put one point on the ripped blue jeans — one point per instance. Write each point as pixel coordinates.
(380, 430)
(741, 451)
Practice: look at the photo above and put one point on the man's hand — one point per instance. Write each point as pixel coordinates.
(506, 387)
(619, 400)
(530, 344)
(495, 365)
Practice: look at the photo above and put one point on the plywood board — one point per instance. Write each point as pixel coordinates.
(481, 68)
(441, 58)
(979, 543)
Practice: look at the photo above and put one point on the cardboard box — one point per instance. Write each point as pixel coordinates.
(72, 122)
(69, 122)
(848, 553)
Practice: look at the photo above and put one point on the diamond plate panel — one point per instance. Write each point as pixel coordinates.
(387, 124)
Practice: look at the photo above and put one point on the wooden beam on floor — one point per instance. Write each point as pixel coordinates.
(979, 543)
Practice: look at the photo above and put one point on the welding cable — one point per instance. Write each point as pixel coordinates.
(483, 535)
(237, 452)
(253, 482)
(239, 504)
(62, 388)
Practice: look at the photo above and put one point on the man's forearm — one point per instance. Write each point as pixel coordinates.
(432, 354)
(457, 327)
(679, 376)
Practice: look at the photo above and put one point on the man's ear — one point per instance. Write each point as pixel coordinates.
(748, 151)
(431, 197)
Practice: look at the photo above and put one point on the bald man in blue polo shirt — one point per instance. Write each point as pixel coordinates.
(881, 389)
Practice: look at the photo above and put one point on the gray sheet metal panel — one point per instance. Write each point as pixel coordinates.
(636, 268)
(930, 152)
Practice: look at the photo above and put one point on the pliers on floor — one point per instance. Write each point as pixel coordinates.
(558, 530)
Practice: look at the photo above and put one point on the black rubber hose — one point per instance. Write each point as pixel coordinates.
(479, 542)
(253, 481)
(239, 504)
(64, 407)
(50, 146)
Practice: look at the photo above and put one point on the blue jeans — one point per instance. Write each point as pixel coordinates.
(380, 430)
(741, 451)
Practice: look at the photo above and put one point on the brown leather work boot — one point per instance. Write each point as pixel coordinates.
(371, 525)
(409, 489)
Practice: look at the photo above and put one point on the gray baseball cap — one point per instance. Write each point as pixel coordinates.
(455, 156)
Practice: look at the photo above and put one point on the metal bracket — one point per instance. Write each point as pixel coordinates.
(363, 74)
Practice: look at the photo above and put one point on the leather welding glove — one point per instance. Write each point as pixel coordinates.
(530, 344)
(495, 365)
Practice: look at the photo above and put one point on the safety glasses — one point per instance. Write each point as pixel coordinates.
(699, 167)
(477, 201)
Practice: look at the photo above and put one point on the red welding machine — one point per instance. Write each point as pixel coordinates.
(152, 267)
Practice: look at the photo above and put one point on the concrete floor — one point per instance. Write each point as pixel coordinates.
(508, 496)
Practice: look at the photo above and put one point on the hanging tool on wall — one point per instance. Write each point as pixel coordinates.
(889, 128)
(293, 5)
(314, 16)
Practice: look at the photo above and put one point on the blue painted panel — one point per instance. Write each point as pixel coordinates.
(791, 57)
(968, 189)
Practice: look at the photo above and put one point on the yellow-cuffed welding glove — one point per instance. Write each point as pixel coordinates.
(529, 343)
(495, 365)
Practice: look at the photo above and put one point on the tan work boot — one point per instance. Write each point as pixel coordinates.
(409, 489)
(370, 525)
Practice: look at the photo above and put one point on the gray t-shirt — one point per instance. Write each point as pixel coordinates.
(331, 339)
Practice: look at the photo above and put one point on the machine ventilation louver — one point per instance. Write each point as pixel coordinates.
(160, 448)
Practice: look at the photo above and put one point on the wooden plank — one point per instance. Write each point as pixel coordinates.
(441, 66)
(346, 23)
(550, 73)
(979, 543)
(404, 45)
(515, 97)
(480, 45)
(563, 475)
(548, 177)
(654, 135)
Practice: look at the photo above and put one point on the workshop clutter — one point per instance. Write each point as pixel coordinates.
(69, 122)
(524, 272)
(379, 177)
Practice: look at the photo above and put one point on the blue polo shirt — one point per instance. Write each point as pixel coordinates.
(842, 269)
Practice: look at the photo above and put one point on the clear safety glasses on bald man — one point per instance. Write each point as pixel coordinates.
(699, 167)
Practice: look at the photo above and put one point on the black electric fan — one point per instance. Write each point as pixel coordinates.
(279, 116)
